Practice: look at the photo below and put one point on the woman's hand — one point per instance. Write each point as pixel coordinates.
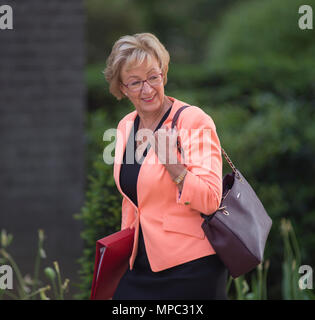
(165, 140)
(165, 146)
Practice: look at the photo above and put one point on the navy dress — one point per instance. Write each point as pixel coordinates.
(203, 278)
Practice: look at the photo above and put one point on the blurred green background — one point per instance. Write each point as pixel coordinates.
(250, 67)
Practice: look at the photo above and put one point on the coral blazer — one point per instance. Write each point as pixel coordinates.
(170, 221)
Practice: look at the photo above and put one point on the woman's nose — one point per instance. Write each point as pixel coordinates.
(146, 87)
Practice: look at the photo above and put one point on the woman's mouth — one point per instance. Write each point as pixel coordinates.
(149, 99)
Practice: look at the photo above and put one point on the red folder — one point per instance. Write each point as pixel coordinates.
(111, 262)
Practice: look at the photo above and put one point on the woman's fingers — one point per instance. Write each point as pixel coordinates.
(165, 144)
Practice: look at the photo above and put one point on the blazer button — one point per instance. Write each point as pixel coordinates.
(187, 202)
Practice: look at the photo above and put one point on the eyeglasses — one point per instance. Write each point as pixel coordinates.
(137, 85)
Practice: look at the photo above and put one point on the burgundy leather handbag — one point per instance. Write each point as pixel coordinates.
(238, 230)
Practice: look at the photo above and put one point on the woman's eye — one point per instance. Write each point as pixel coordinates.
(135, 83)
(153, 77)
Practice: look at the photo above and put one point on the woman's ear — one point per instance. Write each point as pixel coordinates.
(123, 90)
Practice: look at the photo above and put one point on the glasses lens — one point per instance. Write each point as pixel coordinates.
(135, 85)
(155, 79)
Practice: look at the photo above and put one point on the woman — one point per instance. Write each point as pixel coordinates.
(163, 198)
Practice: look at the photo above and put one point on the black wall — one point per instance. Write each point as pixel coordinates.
(42, 100)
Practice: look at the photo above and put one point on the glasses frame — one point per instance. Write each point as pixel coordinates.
(143, 81)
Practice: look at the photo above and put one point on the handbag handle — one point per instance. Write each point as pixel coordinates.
(227, 158)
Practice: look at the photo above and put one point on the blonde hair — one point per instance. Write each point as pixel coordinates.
(133, 51)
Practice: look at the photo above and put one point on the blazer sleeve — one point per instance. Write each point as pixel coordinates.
(202, 188)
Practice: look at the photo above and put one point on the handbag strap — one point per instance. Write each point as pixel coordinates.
(227, 158)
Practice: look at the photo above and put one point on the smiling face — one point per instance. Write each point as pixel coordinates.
(149, 98)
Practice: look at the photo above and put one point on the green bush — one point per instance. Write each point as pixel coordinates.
(257, 83)
(107, 21)
(260, 76)
(99, 98)
(259, 46)
(100, 215)
(101, 212)
(256, 29)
